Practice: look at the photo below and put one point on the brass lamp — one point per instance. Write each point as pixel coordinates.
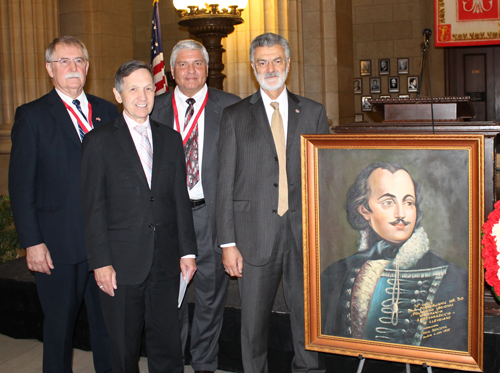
(211, 23)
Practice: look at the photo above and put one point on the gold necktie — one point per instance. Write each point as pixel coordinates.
(279, 142)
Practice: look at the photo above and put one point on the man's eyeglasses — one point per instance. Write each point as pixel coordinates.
(79, 61)
(278, 62)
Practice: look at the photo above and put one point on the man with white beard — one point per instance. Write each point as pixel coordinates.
(259, 210)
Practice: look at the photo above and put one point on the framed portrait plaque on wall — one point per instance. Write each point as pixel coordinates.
(365, 67)
(392, 259)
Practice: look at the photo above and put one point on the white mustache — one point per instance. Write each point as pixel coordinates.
(271, 75)
(73, 74)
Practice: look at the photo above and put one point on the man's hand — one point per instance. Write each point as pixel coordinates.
(188, 266)
(232, 261)
(38, 259)
(106, 279)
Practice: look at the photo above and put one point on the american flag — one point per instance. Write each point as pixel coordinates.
(157, 53)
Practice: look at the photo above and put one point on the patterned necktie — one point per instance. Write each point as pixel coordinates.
(279, 142)
(80, 129)
(191, 148)
(145, 152)
(189, 111)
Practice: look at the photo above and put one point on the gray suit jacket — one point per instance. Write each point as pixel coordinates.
(247, 188)
(163, 112)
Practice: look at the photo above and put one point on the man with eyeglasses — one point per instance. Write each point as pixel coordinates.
(45, 197)
(259, 209)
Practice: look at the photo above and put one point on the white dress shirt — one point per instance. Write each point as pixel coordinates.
(84, 104)
(137, 137)
(282, 100)
(283, 108)
(180, 100)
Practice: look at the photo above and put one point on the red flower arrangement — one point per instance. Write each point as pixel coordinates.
(491, 250)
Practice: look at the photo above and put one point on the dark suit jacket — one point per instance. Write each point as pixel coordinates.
(44, 175)
(163, 112)
(247, 188)
(124, 219)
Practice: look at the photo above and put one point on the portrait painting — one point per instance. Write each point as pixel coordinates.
(365, 67)
(384, 66)
(403, 65)
(395, 258)
(374, 85)
(358, 86)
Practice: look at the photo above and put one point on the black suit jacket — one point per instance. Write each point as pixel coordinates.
(163, 112)
(124, 219)
(44, 175)
(247, 188)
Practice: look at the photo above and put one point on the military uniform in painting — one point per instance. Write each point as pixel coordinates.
(383, 294)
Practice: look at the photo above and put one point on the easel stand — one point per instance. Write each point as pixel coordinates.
(362, 363)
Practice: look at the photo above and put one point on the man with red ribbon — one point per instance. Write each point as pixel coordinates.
(194, 110)
(44, 178)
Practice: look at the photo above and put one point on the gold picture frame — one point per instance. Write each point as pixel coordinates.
(449, 170)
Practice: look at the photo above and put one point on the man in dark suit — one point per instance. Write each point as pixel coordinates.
(44, 189)
(189, 67)
(259, 209)
(138, 225)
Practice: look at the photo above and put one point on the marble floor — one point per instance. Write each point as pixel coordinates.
(25, 356)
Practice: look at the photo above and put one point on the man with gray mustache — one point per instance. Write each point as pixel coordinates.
(44, 177)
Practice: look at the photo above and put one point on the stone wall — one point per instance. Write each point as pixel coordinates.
(392, 29)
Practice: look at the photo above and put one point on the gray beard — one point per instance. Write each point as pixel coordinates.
(263, 84)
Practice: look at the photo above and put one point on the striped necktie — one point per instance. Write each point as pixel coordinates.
(80, 129)
(145, 152)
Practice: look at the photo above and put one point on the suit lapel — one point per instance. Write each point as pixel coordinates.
(158, 140)
(127, 144)
(293, 119)
(259, 113)
(62, 118)
(166, 110)
(211, 132)
(212, 120)
(96, 111)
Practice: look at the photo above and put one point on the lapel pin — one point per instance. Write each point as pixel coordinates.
(97, 118)
(297, 110)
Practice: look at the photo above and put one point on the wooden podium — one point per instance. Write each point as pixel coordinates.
(420, 109)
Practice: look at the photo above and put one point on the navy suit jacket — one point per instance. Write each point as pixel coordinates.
(44, 175)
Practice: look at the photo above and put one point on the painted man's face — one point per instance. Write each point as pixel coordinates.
(392, 202)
